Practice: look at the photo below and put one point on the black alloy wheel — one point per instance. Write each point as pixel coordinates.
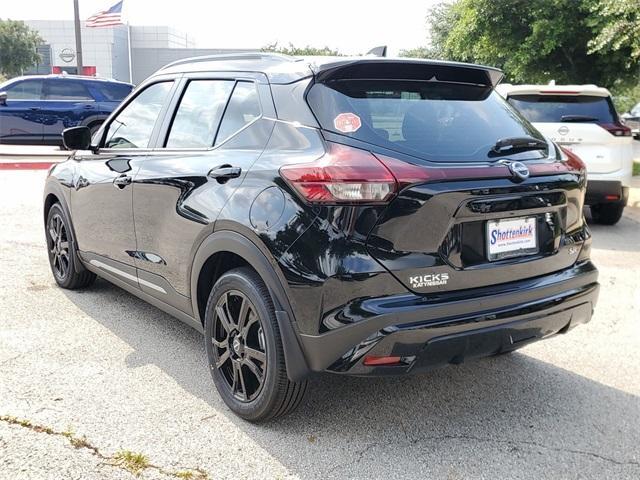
(239, 345)
(244, 348)
(66, 272)
(58, 243)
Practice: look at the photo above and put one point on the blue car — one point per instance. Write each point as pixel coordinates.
(36, 109)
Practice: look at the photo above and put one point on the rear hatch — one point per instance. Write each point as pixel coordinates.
(460, 216)
(586, 124)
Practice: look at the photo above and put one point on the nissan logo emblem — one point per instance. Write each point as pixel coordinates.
(563, 130)
(519, 171)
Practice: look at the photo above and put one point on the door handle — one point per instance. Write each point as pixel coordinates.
(122, 181)
(89, 107)
(224, 173)
(34, 109)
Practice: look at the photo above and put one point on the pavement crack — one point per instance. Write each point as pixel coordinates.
(358, 458)
(134, 463)
(529, 443)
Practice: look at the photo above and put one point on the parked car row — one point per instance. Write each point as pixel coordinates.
(36, 109)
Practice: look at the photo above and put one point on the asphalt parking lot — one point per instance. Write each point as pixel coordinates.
(86, 377)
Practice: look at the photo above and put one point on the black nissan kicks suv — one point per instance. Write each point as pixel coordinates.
(364, 216)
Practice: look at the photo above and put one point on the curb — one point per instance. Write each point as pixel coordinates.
(26, 165)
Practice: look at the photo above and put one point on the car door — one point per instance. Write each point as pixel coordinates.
(21, 119)
(205, 148)
(67, 103)
(101, 200)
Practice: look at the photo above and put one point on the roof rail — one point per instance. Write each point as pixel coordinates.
(231, 57)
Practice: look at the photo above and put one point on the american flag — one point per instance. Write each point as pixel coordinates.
(107, 18)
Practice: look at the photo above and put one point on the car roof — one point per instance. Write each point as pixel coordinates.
(59, 76)
(288, 69)
(506, 89)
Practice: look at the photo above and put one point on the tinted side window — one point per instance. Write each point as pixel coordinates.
(243, 108)
(133, 126)
(67, 90)
(199, 113)
(26, 90)
(114, 92)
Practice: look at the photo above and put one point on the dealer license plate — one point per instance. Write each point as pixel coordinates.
(511, 237)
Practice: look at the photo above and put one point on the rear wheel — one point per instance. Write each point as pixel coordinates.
(607, 213)
(244, 349)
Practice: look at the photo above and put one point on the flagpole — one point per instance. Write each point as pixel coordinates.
(129, 44)
(76, 20)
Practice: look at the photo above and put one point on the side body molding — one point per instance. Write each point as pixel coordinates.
(233, 242)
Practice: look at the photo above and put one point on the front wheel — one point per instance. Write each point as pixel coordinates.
(244, 349)
(607, 213)
(61, 256)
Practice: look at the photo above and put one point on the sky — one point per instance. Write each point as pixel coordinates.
(353, 27)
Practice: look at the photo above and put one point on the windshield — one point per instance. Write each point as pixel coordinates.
(433, 120)
(564, 108)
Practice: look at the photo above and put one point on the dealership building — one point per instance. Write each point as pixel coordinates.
(106, 51)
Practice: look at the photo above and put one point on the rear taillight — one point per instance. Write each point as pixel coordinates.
(342, 175)
(616, 129)
(348, 175)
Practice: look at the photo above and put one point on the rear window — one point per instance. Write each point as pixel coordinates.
(433, 120)
(564, 108)
(114, 92)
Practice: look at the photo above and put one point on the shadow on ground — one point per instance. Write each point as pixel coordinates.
(506, 406)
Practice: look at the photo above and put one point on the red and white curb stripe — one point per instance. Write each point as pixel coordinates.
(4, 165)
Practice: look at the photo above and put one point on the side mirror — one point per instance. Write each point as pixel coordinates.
(3, 98)
(76, 138)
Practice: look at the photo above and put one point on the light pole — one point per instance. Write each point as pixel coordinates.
(76, 20)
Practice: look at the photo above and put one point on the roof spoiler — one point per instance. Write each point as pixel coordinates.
(410, 69)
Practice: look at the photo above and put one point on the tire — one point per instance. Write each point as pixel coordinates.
(607, 213)
(247, 364)
(61, 256)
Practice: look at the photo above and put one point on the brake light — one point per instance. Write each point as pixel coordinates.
(342, 175)
(616, 129)
(348, 175)
(573, 160)
(559, 92)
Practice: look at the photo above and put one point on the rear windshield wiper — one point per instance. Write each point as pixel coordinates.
(519, 144)
(578, 118)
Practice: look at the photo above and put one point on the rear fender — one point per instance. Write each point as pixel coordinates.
(230, 241)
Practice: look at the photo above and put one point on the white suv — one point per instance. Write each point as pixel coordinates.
(582, 118)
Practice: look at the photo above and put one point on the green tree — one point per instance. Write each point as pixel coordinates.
(533, 41)
(440, 20)
(18, 45)
(618, 23)
(300, 51)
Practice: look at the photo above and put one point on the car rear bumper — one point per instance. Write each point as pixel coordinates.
(606, 191)
(430, 333)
